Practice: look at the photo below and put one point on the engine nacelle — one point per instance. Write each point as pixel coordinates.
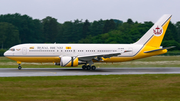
(68, 61)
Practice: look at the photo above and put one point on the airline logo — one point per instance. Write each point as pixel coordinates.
(158, 31)
(68, 47)
(31, 47)
(18, 49)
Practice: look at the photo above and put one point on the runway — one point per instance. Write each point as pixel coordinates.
(14, 72)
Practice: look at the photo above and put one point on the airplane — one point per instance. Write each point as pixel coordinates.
(72, 55)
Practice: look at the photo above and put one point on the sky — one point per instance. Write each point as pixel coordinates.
(70, 10)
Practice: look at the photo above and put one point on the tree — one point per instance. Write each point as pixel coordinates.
(29, 30)
(129, 21)
(168, 43)
(171, 33)
(96, 28)
(50, 29)
(109, 25)
(66, 32)
(178, 31)
(38, 32)
(77, 31)
(3, 29)
(9, 35)
(86, 29)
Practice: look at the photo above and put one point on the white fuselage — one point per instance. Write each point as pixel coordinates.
(36, 50)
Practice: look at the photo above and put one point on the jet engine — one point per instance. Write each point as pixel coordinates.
(69, 61)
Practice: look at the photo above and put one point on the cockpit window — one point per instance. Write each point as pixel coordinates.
(11, 49)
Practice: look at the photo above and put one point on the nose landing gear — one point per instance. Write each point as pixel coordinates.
(19, 65)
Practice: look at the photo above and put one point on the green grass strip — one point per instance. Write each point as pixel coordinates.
(151, 87)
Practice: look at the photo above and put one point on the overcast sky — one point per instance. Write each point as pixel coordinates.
(69, 10)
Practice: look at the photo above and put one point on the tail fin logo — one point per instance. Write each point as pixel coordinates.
(158, 31)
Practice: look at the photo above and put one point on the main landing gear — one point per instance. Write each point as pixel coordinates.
(88, 67)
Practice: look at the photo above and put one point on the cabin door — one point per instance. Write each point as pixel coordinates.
(24, 51)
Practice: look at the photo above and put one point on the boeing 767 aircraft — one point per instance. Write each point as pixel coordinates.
(71, 55)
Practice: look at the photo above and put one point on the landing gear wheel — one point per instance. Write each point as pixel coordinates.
(88, 67)
(93, 67)
(83, 67)
(19, 67)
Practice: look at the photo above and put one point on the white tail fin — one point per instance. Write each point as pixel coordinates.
(154, 36)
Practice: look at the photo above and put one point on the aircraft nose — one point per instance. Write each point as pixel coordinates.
(6, 53)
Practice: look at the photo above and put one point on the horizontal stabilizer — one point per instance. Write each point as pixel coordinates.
(159, 49)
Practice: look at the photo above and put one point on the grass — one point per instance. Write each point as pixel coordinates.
(175, 52)
(155, 87)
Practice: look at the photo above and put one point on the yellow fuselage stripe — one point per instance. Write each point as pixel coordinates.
(35, 59)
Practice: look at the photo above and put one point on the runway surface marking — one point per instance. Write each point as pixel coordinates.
(14, 72)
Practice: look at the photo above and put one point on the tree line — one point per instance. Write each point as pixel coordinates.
(17, 28)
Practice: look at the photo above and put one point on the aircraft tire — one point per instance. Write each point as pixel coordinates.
(88, 67)
(93, 67)
(83, 67)
(19, 67)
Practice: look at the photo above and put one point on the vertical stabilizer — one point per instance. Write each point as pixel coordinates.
(154, 36)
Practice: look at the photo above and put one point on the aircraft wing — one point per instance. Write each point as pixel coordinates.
(159, 49)
(98, 57)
